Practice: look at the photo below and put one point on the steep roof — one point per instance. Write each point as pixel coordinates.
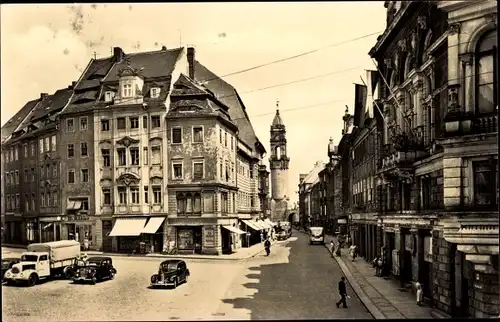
(229, 96)
(17, 119)
(150, 64)
(277, 121)
(313, 174)
(51, 104)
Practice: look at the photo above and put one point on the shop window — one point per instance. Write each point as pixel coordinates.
(134, 156)
(122, 195)
(157, 195)
(156, 155)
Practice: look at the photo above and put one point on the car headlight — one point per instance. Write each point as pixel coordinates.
(172, 278)
(8, 274)
(22, 275)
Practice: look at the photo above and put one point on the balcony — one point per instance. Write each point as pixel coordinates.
(485, 124)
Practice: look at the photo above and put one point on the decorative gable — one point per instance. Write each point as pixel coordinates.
(127, 141)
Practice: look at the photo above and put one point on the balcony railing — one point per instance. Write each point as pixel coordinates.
(486, 124)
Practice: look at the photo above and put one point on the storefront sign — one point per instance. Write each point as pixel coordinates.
(342, 221)
(209, 236)
(77, 218)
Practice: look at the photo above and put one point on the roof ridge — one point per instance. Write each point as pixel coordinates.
(153, 51)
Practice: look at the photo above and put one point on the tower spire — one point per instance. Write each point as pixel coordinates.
(277, 106)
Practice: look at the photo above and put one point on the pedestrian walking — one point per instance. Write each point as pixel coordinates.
(332, 247)
(420, 294)
(343, 293)
(352, 252)
(86, 242)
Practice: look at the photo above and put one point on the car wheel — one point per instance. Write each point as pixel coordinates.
(111, 275)
(94, 280)
(32, 279)
(175, 282)
(186, 278)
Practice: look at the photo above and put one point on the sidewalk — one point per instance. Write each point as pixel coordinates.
(240, 254)
(381, 297)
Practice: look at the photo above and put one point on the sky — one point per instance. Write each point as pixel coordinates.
(46, 47)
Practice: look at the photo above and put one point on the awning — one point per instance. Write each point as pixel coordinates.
(47, 226)
(269, 222)
(128, 227)
(264, 225)
(153, 224)
(235, 230)
(252, 225)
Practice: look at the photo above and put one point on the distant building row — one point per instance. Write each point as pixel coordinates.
(416, 169)
(137, 137)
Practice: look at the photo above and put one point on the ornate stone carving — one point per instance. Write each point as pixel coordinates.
(467, 59)
(402, 44)
(127, 141)
(413, 42)
(422, 22)
(128, 179)
(454, 28)
(388, 62)
(453, 99)
(491, 18)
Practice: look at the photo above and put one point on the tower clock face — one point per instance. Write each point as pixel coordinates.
(277, 136)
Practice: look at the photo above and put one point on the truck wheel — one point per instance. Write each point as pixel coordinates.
(32, 279)
(67, 275)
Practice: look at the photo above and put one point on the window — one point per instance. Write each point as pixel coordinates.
(85, 204)
(224, 205)
(225, 139)
(71, 151)
(221, 170)
(85, 175)
(47, 144)
(17, 176)
(33, 202)
(7, 178)
(106, 157)
(71, 176)
(47, 170)
(83, 149)
(42, 199)
(176, 135)
(54, 143)
(127, 90)
(145, 122)
(198, 170)
(47, 201)
(220, 136)
(181, 203)
(106, 196)
(43, 257)
(8, 202)
(83, 123)
(197, 134)
(25, 150)
(108, 96)
(26, 178)
(251, 171)
(18, 201)
(54, 199)
(122, 157)
(104, 125)
(16, 149)
(234, 202)
(145, 155)
(232, 143)
(32, 174)
(155, 121)
(134, 156)
(157, 195)
(485, 183)
(134, 192)
(156, 155)
(177, 170)
(155, 92)
(122, 195)
(70, 125)
(120, 123)
(54, 170)
(197, 203)
(486, 77)
(252, 201)
(26, 203)
(134, 122)
(12, 153)
(33, 149)
(146, 195)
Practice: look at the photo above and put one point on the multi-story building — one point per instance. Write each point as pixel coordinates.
(81, 220)
(309, 214)
(264, 197)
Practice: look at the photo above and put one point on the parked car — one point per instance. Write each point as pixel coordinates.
(78, 263)
(7, 264)
(98, 268)
(282, 235)
(171, 272)
(316, 235)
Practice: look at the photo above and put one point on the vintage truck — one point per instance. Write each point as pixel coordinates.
(42, 261)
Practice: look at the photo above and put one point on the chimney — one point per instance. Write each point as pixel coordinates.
(190, 59)
(164, 48)
(72, 86)
(118, 54)
(43, 95)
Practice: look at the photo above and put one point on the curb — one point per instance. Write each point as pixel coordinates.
(372, 308)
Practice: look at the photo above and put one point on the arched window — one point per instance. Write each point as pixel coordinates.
(277, 152)
(486, 77)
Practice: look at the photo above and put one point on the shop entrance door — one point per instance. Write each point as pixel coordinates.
(226, 241)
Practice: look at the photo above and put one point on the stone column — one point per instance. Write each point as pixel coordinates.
(399, 245)
(468, 83)
(454, 73)
(486, 290)
(452, 182)
(416, 259)
(378, 237)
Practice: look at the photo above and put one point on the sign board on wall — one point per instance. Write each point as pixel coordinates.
(209, 236)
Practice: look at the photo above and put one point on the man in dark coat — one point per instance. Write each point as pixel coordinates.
(342, 292)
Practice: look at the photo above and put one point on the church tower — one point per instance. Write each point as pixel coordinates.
(278, 160)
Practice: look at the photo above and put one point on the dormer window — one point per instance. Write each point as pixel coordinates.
(127, 90)
(108, 96)
(155, 92)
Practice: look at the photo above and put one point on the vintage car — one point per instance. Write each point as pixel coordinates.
(78, 263)
(7, 264)
(98, 268)
(171, 272)
(282, 235)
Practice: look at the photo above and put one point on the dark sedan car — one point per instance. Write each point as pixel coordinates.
(96, 269)
(71, 270)
(7, 264)
(171, 272)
